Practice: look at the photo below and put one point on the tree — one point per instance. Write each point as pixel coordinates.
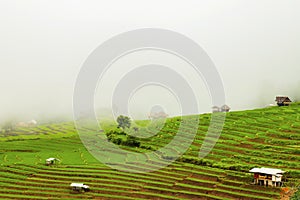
(123, 122)
(8, 126)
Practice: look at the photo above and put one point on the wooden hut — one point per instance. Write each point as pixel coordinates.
(51, 161)
(78, 187)
(225, 108)
(157, 115)
(32, 123)
(216, 109)
(21, 124)
(267, 176)
(283, 100)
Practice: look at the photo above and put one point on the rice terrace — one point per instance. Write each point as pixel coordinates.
(267, 137)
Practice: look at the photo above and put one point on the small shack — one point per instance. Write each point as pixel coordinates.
(51, 161)
(283, 100)
(157, 115)
(225, 108)
(78, 187)
(32, 123)
(216, 109)
(267, 176)
(22, 124)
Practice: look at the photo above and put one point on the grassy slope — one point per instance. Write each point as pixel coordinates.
(263, 137)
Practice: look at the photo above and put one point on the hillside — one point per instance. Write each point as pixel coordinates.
(268, 137)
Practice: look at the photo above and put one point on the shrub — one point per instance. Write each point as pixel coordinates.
(296, 195)
(119, 137)
(147, 147)
(131, 141)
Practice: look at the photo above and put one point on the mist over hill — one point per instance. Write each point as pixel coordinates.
(43, 48)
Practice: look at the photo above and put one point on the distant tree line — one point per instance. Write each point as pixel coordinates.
(8, 126)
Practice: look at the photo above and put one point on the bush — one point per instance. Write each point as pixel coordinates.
(296, 195)
(147, 147)
(131, 141)
(117, 141)
(196, 161)
(119, 137)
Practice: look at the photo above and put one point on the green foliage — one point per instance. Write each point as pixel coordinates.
(123, 122)
(296, 195)
(196, 161)
(131, 141)
(119, 137)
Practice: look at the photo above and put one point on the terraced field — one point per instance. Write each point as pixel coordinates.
(267, 137)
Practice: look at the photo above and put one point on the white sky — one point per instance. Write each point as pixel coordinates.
(254, 44)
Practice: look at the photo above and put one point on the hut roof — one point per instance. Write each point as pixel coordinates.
(52, 159)
(32, 121)
(281, 99)
(160, 114)
(82, 185)
(270, 171)
(225, 107)
(76, 184)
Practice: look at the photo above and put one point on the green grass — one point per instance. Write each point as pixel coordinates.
(266, 137)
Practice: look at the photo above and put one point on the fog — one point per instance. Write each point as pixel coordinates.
(255, 46)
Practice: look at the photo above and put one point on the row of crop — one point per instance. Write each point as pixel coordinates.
(56, 178)
(228, 148)
(94, 183)
(152, 186)
(97, 173)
